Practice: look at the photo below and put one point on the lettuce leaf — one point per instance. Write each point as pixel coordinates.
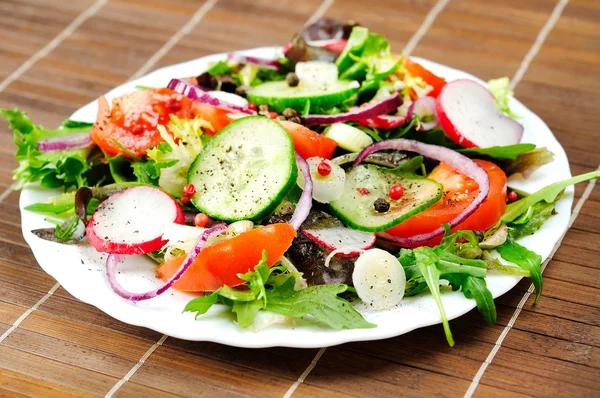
(173, 159)
(501, 91)
(273, 289)
(53, 169)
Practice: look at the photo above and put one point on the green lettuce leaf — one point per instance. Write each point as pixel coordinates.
(52, 169)
(273, 289)
(499, 152)
(500, 89)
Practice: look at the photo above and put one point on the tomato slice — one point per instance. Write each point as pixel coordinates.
(132, 121)
(459, 192)
(417, 70)
(309, 143)
(219, 264)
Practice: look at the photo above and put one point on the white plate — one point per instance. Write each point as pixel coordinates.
(80, 269)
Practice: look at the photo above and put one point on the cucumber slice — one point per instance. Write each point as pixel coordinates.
(245, 171)
(366, 183)
(279, 95)
(348, 137)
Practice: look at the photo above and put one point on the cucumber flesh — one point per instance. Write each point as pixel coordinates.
(245, 171)
(367, 183)
(279, 95)
(348, 137)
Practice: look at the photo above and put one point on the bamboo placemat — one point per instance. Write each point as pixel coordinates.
(56, 56)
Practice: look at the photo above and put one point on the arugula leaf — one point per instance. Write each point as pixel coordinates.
(537, 215)
(426, 260)
(74, 124)
(476, 288)
(201, 305)
(65, 231)
(526, 163)
(449, 263)
(526, 259)
(320, 301)
(499, 152)
(272, 289)
(246, 311)
(57, 204)
(256, 279)
(53, 169)
(501, 91)
(548, 194)
(493, 264)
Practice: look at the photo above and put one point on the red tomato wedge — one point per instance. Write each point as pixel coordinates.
(309, 143)
(132, 121)
(416, 70)
(219, 264)
(459, 191)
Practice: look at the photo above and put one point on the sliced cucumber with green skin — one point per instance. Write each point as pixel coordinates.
(245, 171)
(279, 95)
(367, 183)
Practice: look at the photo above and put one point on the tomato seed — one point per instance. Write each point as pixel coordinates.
(324, 169)
(396, 191)
(174, 105)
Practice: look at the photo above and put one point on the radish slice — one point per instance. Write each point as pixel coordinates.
(379, 279)
(113, 260)
(133, 221)
(349, 242)
(425, 107)
(471, 117)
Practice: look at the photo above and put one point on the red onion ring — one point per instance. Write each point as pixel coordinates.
(114, 259)
(305, 203)
(461, 163)
(425, 106)
(358, 113)
(64, 142)
(246, 59)
(198, 94)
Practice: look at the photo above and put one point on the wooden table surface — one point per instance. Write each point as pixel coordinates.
(56, 56)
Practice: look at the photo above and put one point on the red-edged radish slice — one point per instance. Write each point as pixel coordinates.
(349, 242)
(133, 221)
(470, 115)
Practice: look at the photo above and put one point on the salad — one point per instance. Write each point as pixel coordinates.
(334, 177)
